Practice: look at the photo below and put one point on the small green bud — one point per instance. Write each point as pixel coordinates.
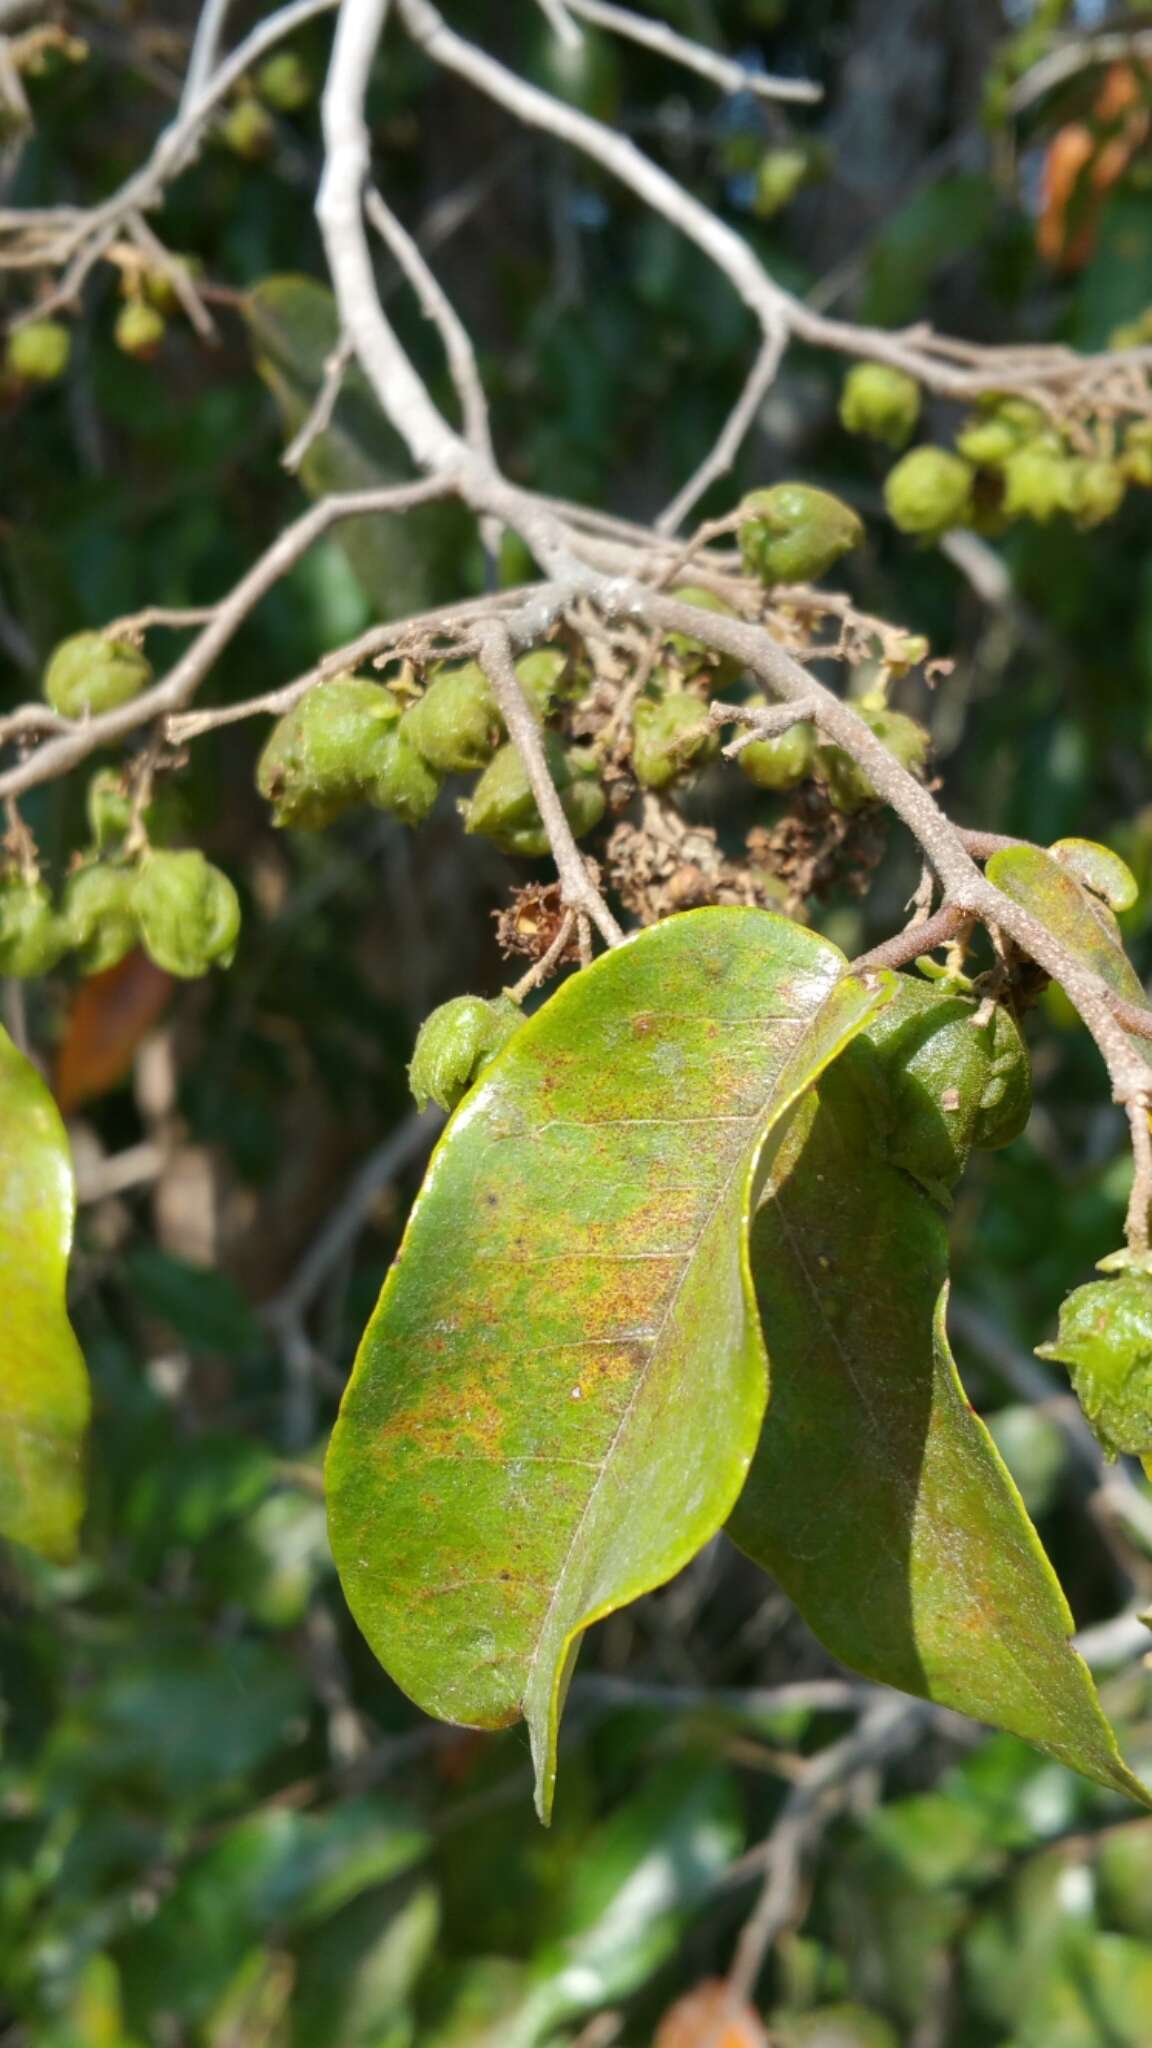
(1105, 1340)
(139, 330)
(188, 913)
(100, 915)
(323, 756)
(929, 491)
(90, 673)
(402, 781)
(32, 937)
(1100, 870)
(547, 678)
(693, 654)
(1096, 491)
(455, 725)
(783, 762)
(848, 785)
(503, 807)
(1136, 458)
(1038, 483)
(669, 734)
(248, 129)
(988, 442)
(159, 289)
(456, 1043)
(39, 352)
(793, 533)
(779, 176)
(109, 807)
(285, 82)
(881, 402)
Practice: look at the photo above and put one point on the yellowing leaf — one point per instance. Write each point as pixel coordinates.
(877, 1498)
(557, 1399)
(43, 1385)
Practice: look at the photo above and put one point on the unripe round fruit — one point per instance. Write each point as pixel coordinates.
(880, 402)
(39, 352)
(89, 673)
(694, 654)
(109, 808)
(188, 912)
(159, 289)
(248, 129)
(455, 725)
(32, 937)
(1136, 459)
(456, 1043)
(848, 784)
(951, 1087)
(285, 82)
(546, 677)
(402, 781)
(783, 762)
(322, 757)
(779, 176)
(139, 330)
(1038, 483)
(669, 734)
(793, 533)
(929, 491)
(988, 442)
(1105, 1340)
(503, 807)
(1096, 491)
(100, 915)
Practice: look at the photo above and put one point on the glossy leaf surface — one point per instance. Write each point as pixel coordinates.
(557, 1399)
(877, 1497)
(43, 1383)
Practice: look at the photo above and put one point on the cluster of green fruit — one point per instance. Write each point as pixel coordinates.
(282, 85)
(39, 352)
(182, 910)
(1010, 461)
(352, 741)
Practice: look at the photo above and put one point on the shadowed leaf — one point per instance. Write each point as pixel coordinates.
(556, 1401)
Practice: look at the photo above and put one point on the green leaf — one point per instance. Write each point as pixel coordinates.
(43, 1384)
(877, 1497)
(556, 1401)
(294, 329)
(1079, 919)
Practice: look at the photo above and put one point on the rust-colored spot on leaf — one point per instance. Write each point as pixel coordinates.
(109, 1017)
(710, 2017)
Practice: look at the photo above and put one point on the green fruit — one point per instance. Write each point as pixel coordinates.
(669, 734)
(455, 725)
(693, 654)
(90, 673)
(1136, 457)
(109, 807)
(1105, 1340)
(456, 1043)
(1096, 491)
(848, 785)
(285, 82)
(929, 491)
(547, 677)
(503, 807)
(793, 533)
(32, 937)
(39, 352)
(779, 176)
(100, 914)
(1000, 430)
(402, 781)
(249, 130)
(188, 913)
(324, 755)
(139, 330)
(880, 402)
(159, 289)
(1039, 483)
(951, 1087)
(783, 762)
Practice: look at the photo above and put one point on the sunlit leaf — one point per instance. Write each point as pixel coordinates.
(555, 1403)
(877, 1497)
(1072, 913)
(43, 1384)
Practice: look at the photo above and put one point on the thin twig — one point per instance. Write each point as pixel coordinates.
(722, 71)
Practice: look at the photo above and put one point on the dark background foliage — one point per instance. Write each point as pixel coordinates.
(219, 1823)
